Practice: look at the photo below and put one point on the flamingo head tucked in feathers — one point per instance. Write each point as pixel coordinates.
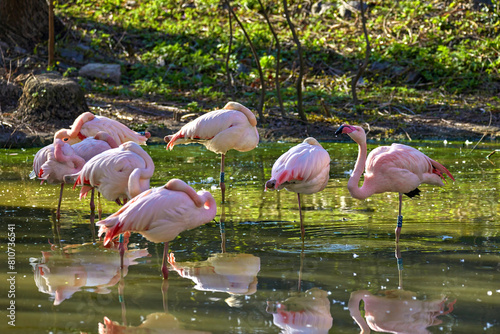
(355, 132)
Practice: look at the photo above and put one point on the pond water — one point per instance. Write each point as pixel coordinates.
(248, 271)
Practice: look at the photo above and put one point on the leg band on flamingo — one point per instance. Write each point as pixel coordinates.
(221, 177)
(400, 263)
(400, 221)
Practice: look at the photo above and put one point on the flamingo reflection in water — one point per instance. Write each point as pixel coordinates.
(235, 274)
(397, 311)
(303, 312)
(159, 323)
(61, 273)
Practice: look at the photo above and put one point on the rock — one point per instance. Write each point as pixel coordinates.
(71, 54)
(51, 98)
(480, 4)
(108, 72)
(320, 7)
(346, 8)
(9, 95)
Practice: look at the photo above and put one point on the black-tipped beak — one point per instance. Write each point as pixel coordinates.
(339, 130)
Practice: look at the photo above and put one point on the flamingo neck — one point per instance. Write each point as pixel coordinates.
(352, 185)
(78, 123)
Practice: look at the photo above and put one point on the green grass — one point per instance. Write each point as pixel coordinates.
(422, 51)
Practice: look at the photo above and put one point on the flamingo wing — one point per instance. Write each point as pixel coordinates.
(158, 214)
(219, 130)
(118, 131)
(304, 169)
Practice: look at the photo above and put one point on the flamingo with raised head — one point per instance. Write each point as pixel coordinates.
(54, 161)
(232, 127)
(88, 124)
(160, 214)
(303, 169)
(396, 168)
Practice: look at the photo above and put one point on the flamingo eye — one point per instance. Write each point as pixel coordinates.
(65, 139)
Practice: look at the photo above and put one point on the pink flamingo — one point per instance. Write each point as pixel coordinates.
(160, 214)
(54, 161)
(232, 127)
(88, 124)
(396, 168)
(118, 174)
(303, 169)
(121, 173)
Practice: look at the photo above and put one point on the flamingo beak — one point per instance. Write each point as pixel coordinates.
(344, 129)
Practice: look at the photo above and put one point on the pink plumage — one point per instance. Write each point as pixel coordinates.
(396, 168)
(119, 173)
(160, 214)
(53, 162)
(233, 127)
(88, 124)
(303, 169)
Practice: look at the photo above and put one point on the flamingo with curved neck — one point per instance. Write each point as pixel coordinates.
(160, 214)
(396, 168)
(230, 128)
(88, 124)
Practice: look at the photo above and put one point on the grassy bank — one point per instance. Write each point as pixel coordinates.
(425, 55)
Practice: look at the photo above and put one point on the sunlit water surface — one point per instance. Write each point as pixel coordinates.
(248, 272)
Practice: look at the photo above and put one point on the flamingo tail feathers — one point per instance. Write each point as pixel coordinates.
(111, 232)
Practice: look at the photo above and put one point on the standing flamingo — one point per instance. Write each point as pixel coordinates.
(118, 174)
(232, 127)
(54, 161)
(396, 168)
(88, 124)
(303, 169)
(160, 214)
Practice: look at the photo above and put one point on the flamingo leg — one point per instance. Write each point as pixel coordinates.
(121, 299)
(164, 269)
(121, 248)
(221, 183)
(400, 218)
(58, 212)
(302, 229)
(92, 215)
(223, 230)
(99, 208)
(164, 290)
(399, 260)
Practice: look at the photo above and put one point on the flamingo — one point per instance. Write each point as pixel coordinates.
(118, 174)
(303, 169)
(232, 127)
(54, 161)
(88, 124)
(160, 214)
(396, 168)
(303, 312)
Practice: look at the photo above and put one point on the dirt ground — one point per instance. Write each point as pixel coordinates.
(471, 126)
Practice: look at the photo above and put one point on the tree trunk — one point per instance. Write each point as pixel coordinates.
(25, 23)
